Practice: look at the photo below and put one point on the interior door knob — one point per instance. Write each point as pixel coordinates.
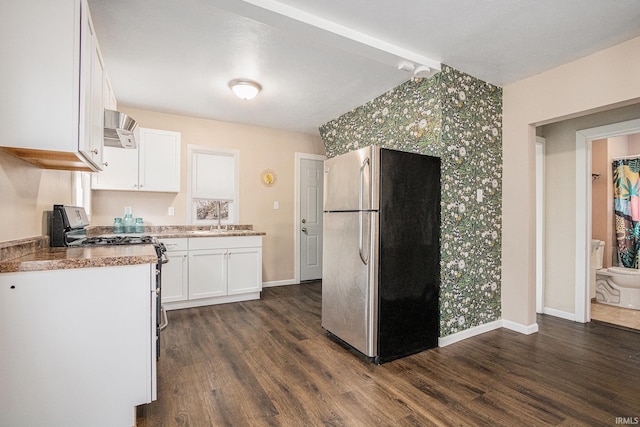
(304, 229)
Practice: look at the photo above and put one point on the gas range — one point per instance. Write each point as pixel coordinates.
(117, 240)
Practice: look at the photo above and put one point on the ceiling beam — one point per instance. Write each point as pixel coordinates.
(306, 25)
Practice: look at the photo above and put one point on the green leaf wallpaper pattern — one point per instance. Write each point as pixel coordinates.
(458, 118)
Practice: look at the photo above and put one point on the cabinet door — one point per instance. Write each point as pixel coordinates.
(91, 92)
(175, 275)
(207, 273)
(120, 170)
(40, 74)
(159, 160)
(245, 270)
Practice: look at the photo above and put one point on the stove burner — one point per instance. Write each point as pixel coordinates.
(117, 240)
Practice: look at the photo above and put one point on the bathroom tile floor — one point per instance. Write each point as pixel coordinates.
(615, 315)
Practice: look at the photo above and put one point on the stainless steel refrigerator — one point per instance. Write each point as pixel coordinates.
(381, 253)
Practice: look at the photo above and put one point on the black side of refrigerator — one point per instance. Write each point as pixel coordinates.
(409, 254)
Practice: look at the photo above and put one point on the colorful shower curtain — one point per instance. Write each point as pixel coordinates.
(626, 173)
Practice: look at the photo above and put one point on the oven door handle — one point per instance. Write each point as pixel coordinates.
(165, 320)
(164, 258)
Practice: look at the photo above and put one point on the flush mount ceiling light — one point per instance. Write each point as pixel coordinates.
(245, 89)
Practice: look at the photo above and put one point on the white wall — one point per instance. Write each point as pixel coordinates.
(598, 82)
(26, 192)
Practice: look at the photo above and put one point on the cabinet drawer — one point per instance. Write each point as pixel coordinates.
(225, 242)
(178, 244)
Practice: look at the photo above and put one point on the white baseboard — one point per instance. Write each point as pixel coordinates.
(280, 283)
(559, 313)
(177, 305)
(468, 333)
(477, 330)
(519, 327)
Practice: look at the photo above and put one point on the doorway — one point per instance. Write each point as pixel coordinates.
(584, 139)
(308, 218)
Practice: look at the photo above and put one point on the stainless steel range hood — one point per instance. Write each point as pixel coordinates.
(118, 130)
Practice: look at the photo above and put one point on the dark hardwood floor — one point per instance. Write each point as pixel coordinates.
(269, 363)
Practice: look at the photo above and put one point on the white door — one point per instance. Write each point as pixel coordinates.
(311, 186)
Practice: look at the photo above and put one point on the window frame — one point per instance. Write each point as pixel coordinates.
(234, 205)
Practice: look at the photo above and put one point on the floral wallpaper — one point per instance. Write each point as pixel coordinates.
(458, 118)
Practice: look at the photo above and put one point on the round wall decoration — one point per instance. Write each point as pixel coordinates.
(268, 177)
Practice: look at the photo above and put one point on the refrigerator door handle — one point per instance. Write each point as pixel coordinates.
(365, 260)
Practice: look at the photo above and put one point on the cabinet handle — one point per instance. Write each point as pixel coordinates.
(95, 151)
(135, 185)
(106, 164)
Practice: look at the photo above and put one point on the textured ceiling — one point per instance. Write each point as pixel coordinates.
(317, 60)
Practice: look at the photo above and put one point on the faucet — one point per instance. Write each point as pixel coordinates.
(219, 226)
(218, 212)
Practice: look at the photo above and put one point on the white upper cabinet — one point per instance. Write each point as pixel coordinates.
(120, 171)
(153, 166)
(92, 74)
(51, 101)
(159, 160)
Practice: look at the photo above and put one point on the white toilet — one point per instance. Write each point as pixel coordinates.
(618, 286)
(597, 257)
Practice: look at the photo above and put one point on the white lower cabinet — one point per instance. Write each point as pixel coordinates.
(77, 346)
(208, 273)
(244, 270)
(175, 274)
(218, 270)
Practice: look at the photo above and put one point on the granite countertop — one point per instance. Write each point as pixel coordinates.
(47, 258)
(206, 233)
(34, 254)
(184, 231)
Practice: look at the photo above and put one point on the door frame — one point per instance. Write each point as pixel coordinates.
(296, 201)
(540, 223)
(583, 207)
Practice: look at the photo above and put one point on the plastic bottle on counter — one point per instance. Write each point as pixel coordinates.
(129, 223)
(118, 227)
(139, 227)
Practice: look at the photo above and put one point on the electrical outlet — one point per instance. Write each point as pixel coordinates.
(479, 195)
(276, 205)
(172, 211)
(128, 210)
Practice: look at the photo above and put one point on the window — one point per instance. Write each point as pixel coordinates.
(81, 191)
(213, 186)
